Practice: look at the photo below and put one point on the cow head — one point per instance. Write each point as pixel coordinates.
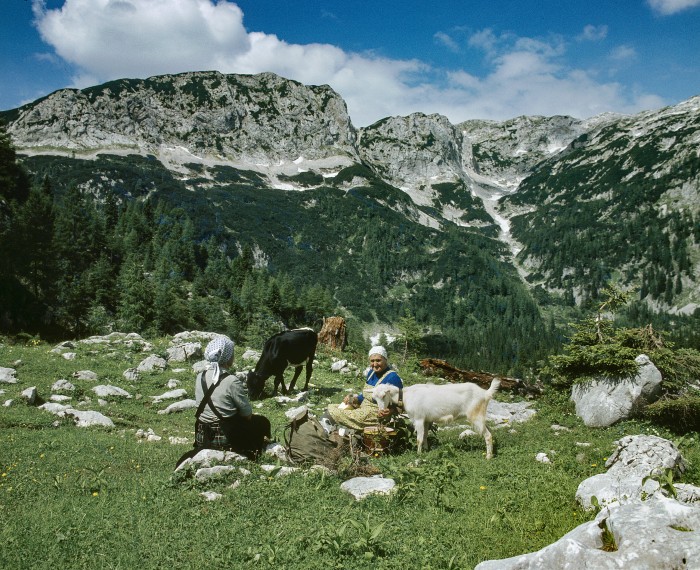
(256, 384)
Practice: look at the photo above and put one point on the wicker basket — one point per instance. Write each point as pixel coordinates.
(378, 439)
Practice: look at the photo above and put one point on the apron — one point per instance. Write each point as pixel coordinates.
(362, 417)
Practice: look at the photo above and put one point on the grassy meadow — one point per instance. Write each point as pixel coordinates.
(103, 498)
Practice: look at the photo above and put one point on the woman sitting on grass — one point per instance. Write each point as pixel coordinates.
(359, 410)
(225, 419)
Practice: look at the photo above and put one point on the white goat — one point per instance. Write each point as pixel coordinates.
(427, 403)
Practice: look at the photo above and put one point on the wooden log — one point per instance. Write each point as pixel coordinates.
(441, 368)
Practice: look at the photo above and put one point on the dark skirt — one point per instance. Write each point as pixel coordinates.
(246, 437)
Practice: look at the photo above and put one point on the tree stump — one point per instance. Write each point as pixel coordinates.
(333, 333)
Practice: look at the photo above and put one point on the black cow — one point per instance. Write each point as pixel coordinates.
(285, 349)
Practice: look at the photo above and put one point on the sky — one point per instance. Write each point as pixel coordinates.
(465, 59)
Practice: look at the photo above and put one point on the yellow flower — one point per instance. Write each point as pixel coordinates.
(41, 456)
(483, 488)
(4, 474)
(95, 493)
(594, 465)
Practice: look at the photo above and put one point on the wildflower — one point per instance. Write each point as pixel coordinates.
(594, 465)
(95, 493)
(483, 488)
(41, 456)
(4, 474)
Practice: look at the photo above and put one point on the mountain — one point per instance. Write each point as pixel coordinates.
(461, 224)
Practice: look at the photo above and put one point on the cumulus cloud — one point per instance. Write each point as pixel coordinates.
(668, 7)
(110, 39)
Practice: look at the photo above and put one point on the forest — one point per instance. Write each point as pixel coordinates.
(146, 254)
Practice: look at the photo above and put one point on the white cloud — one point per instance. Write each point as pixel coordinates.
(668, 7)
(593, 33)
(444, 39)
(121, 38)
(623, 53)
(110, 39)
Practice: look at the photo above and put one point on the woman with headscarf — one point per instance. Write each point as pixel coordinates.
(359, 411)
(225, 418)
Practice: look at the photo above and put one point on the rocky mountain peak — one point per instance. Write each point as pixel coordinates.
(203, 115)
(414, 149)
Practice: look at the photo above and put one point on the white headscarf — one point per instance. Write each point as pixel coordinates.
(380, 350)
(218, 351)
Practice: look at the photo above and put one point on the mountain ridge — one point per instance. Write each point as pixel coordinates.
(499, 177)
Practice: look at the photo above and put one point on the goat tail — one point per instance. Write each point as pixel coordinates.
(495, 384)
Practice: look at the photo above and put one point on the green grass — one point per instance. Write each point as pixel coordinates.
(99, 498)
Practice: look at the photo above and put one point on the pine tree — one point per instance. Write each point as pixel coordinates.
(14, 182)
(241, 267)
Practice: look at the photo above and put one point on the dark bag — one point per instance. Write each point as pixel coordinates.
(307, 442)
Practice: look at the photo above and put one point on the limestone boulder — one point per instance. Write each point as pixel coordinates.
(603, 402)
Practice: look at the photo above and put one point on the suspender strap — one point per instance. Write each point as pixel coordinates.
(206, 400)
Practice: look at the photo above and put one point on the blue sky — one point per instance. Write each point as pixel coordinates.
(488, 59)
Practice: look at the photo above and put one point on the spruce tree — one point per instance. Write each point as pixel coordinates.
(33, 241)
(14, 181)
(134, 308)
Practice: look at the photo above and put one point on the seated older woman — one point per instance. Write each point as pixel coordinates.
(359, 411)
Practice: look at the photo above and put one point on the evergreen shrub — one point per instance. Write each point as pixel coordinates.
(680, 415)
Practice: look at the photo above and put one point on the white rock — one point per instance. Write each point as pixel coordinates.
(362, 487)
(107, 390)
(180, 406)
(602, 402)
(200, 366)
(300, 397)
(84, 375)
(279, 471)
(338, 365)
(131, 374)
(151, 364)
(207, 473)
(88, 418)
(504, 414)
(647, 535)
(62, 386)
(178, 440)
(184, 352)
(210, 457)
(171, 395)
(251, 355)
(635, 457)
(29, 395)
(148, 435)
(296, 413)
(7, 375)
(56, 409)
(211, 495)
(277, 450)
